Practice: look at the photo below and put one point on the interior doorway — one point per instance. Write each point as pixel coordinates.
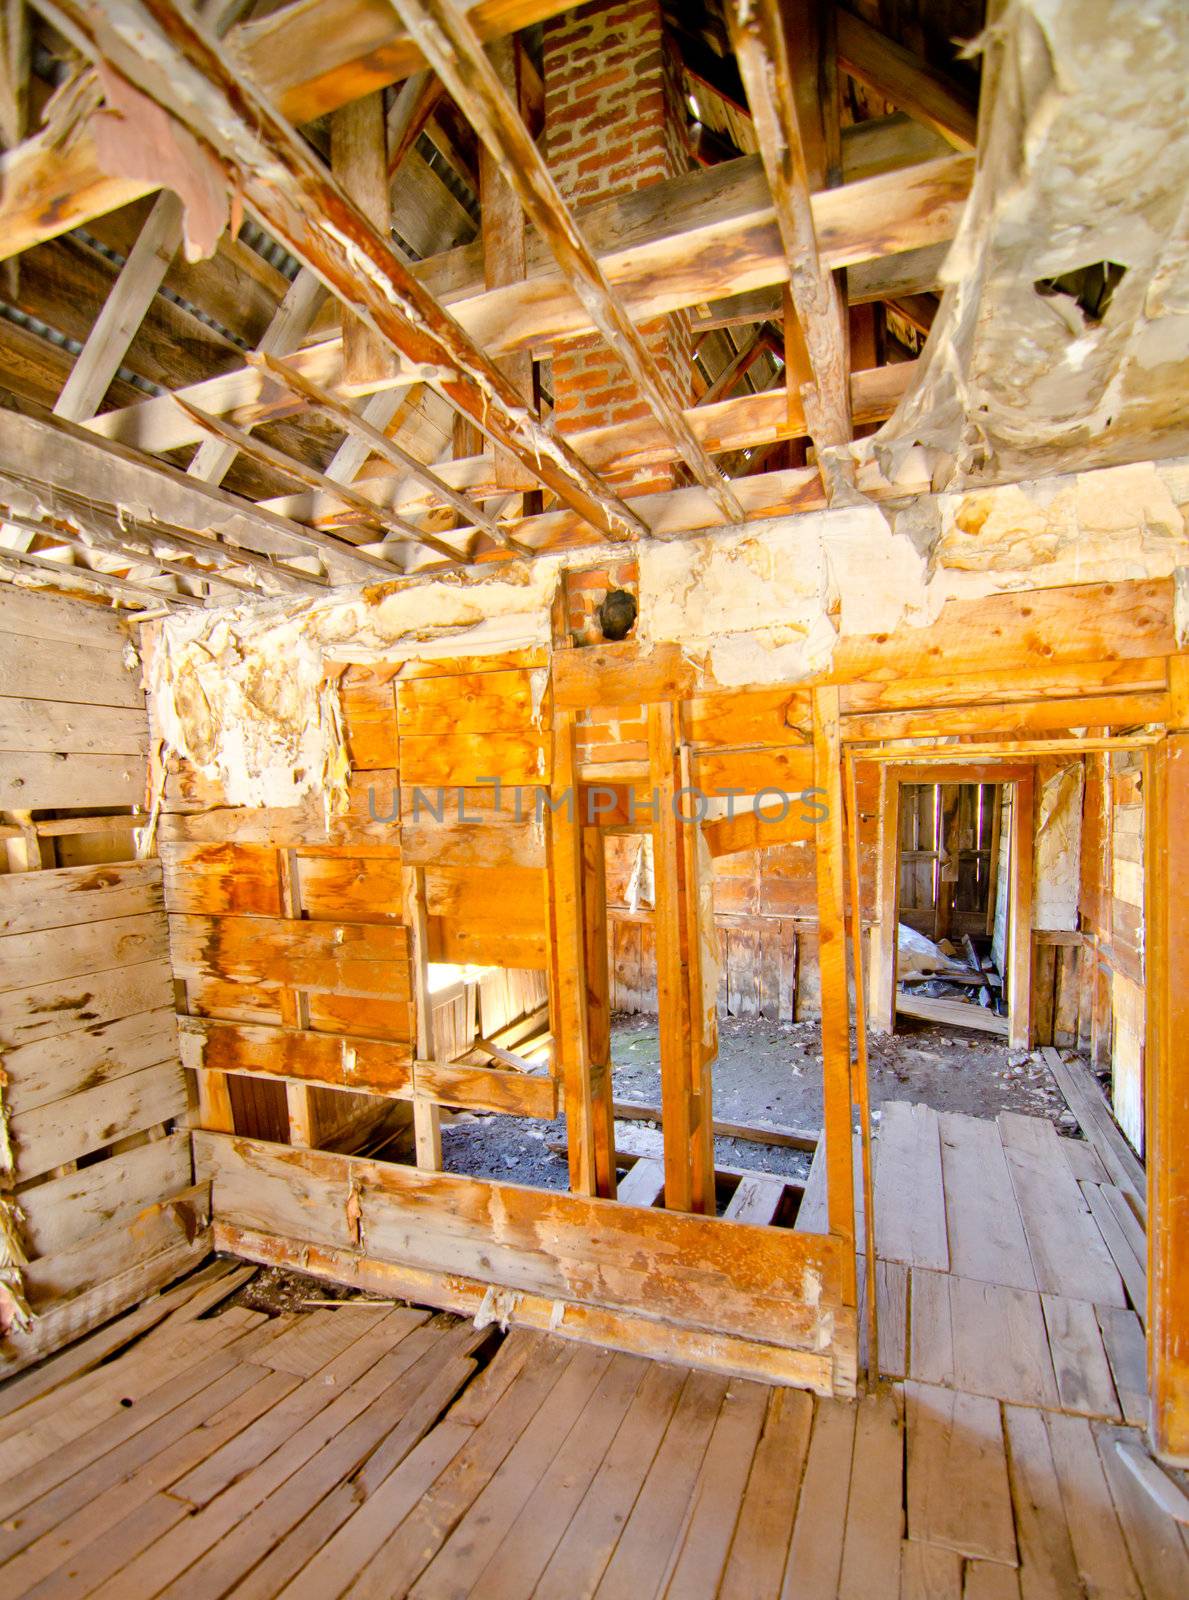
(952, 924)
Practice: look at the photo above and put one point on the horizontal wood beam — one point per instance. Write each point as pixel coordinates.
(455, 52)
(681, 243)
(749, 421)
(160, 49)
(66, 461)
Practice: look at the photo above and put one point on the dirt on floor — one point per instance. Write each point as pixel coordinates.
(769, 1072)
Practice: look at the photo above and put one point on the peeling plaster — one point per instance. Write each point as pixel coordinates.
(1083, 157)
(247, 694)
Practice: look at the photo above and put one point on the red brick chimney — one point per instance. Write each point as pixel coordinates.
(614, 122)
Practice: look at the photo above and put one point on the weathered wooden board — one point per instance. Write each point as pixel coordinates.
(45, 1010)
(66, 1129)
(80, 950)
(81, 674)
(341, 1062)
(52, 1068)
(160, 1225)
(63, 897)
(340, 958)
(762, 1283)
(59, 1213)
(42, 780)
(59, 728)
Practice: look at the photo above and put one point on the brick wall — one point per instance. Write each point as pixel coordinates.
(614, 123)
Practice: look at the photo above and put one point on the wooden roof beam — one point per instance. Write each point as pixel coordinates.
(386, 523)
(766, 61)
(60, 461)
(131, 545)
(753, 420)
(308, 59)
(454, 50)
(337, 411)
(876, 61)
(683, 242)
(163, 52)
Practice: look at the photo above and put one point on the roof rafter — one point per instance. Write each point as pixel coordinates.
(871, 58)
(766, 55)
(307, 58)
(338, 411)
(454, 50)
(158, 46)
(302, 472)
(683, 242)
(58, 458)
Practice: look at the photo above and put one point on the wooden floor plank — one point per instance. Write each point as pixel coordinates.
(384, 1502)
(985, 1230)
(891, 1306)
(1085, 1100)
(815, 1553)
(958, 1493)
(23, 1392)
(930, 1572)
(320, 1389)
(811, 1213)
(318, 1336)
(759, 1548)
(1118, 1226)
(1098, 1545)
(1001, 1345)
(434, 1364)
(100, 1396)
(518, 1559)
(756, 1199)
(875, 1506)
(146, 1408)
(1047, 1566)
(1082, 1160)
(117, 1484)
(1123, 1340)
(1154, 1541)
(699, 1557)
(641, 1557)
(931, 1345)
(1083, 1373)
(157, 1569)
(410, 1547)
(988, 1580)
(459, 1561)
(1068, 1253)
(643, 1184)
(909, 1194)
(585, 1547)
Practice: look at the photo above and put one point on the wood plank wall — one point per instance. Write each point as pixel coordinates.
(298, 932)
(98, 1177)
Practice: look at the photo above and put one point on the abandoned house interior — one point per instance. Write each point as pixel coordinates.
(594, 765)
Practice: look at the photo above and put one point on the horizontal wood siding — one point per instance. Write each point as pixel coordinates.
(98, 1176)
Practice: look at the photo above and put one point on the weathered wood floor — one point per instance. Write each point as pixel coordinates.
(384, 1451)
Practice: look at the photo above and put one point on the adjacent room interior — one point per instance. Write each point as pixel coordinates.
(594, 799)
